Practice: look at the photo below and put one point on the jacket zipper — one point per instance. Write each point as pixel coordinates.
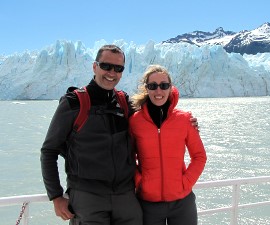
(161, 165)
(112, 126)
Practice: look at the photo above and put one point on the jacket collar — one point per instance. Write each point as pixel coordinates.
(98, 95)
(168, 106)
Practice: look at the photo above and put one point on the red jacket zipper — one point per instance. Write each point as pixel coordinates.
(161, 166)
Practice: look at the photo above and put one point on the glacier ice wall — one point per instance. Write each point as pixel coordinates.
(206, 71)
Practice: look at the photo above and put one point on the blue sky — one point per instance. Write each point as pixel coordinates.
(33, 25)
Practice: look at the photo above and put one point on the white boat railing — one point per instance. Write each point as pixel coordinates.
(26, 200)
(235, 184)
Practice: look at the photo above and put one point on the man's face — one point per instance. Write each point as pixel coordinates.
(108, 79)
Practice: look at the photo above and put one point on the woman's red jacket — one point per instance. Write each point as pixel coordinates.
(162, 173)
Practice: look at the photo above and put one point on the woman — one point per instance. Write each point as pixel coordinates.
(161, 134)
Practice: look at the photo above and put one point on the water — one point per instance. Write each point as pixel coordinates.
(235, 132)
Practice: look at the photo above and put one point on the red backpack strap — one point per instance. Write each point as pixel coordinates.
(85, 104)
(121, 98)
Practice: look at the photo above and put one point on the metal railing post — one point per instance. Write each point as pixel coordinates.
(235, 204)
(25, 218)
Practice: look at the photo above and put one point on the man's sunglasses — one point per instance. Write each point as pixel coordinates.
(108, 67)
(154, 86)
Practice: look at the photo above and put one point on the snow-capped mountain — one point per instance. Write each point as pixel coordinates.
(249, 42)
(199, 38)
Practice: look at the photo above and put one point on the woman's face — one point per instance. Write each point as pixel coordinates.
(158, 96)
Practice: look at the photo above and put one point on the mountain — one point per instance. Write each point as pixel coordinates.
(199, 38)
(207, 71)
(251, 42)
(243, 42)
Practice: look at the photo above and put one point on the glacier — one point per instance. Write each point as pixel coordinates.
(207, 71)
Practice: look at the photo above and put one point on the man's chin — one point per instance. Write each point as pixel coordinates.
(109, 85)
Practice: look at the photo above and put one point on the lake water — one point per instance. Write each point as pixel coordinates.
(235, 132)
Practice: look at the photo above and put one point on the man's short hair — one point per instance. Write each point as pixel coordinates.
(112, 48)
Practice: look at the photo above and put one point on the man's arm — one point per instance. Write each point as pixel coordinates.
(53, 146)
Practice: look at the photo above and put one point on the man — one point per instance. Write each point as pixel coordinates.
(99, 161)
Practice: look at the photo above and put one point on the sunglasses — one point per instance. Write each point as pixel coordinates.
(154, 86)
(108, 67)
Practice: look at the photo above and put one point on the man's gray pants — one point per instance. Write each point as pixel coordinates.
(105, 209)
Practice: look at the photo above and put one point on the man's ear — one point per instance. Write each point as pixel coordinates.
(94, 67)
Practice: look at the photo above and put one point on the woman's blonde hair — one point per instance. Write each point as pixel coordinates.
(141, 96)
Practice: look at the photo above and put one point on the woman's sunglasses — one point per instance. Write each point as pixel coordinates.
(108, 67)
(154, 86)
